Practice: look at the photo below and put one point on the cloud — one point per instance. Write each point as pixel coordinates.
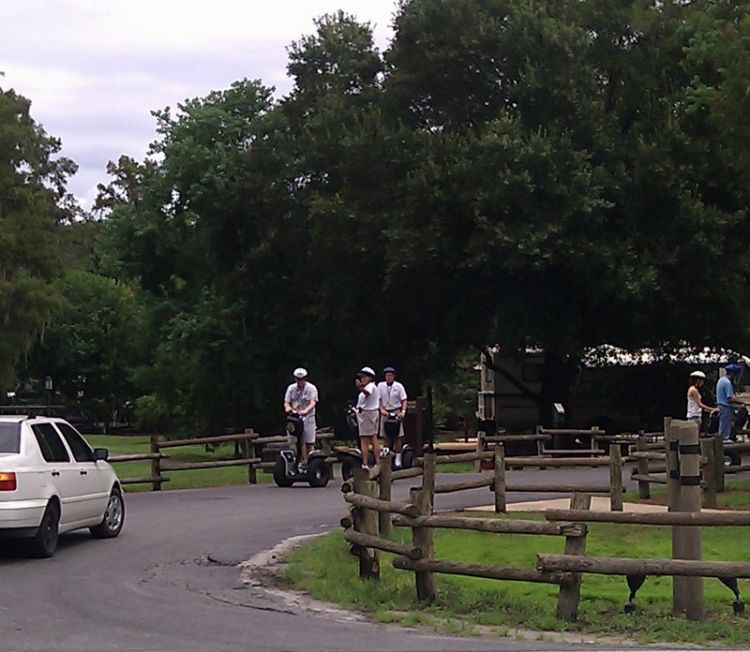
(94, 71)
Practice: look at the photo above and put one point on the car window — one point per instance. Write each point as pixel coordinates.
(10, 437)
(52, 447)
(81, 450)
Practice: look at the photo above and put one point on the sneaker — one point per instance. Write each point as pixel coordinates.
(397, 461)
(365, 467)
(302, 467)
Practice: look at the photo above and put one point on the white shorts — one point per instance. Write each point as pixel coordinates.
(308, 433)
(367, 420)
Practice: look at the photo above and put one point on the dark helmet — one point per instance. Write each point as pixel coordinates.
(389, 370)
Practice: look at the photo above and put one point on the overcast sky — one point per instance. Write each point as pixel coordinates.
(94, 69)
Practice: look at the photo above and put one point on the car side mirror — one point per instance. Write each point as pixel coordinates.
(101, 454)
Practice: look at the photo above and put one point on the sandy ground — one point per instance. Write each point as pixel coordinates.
(598, 504)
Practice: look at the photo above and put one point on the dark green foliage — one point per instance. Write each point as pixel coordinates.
(556, 173)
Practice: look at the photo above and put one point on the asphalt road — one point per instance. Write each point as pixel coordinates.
(170, 582)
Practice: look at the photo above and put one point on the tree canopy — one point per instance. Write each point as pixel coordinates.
(561, 173)
(33, 201)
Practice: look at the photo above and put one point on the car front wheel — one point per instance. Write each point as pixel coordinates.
(44, 542)
(114, 517)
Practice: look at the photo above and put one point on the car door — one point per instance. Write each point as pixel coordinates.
(95, 480)
(61, 471)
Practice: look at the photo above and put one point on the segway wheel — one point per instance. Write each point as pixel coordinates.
(279, 474)
(407, 459)
(318, 472)
(732, 458)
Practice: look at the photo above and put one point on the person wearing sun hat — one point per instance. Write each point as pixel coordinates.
(695, 405)
(392, 399)
(368, 406)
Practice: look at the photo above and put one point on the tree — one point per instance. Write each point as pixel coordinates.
(32, 186)
(92, 346)
(587, 190)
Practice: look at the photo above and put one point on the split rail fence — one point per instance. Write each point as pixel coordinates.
(372, 512)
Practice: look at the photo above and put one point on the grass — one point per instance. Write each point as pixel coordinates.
(328, 571)
(194, 478)
(737, 495)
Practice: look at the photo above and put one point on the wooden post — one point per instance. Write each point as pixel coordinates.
(615, 478)
(719, 462)
(155, 464)
(709, 473)
(366, 521)
(570, 591)
(673, 505)
(252, 475)
(481, 447)
(690, 501)
(384, 518)
(644, 488)
(429, 466)
(419, 427)
(426, 582)
(499, 485)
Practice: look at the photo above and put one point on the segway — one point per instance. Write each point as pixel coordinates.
(392, 430)
(288, 468)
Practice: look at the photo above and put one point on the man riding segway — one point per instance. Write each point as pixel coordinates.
(393, 402)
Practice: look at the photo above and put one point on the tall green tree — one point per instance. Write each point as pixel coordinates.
(92, 345)
(580, 183)
(32, 190)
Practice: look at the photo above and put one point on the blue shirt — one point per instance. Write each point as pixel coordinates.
(724, 391)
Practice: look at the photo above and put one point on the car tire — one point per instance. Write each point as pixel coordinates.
(114, 517)
(318, 472)
(279, 474)
(44, 543)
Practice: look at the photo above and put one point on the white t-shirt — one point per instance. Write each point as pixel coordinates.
(369, 401)
(299, 399)
(391, 395)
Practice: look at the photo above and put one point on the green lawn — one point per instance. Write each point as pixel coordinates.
(328, 571)
(193, 478)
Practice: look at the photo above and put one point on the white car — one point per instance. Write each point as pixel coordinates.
(52, 482)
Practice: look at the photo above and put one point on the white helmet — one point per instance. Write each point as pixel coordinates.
(300, 372)
(367, 370)
(698, 374)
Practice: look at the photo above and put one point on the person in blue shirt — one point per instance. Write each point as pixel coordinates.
(726, 400)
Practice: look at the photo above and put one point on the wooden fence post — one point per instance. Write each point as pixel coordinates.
(615, 478)
(426, 582)
(499, 484)
(570, 590)
(155, 464)
(252, 475)
(709, 473)
(481, 447)
(385, 480)
(719, 462)
(644, 488)
(689, 538)
(366, 521)
(424, 499)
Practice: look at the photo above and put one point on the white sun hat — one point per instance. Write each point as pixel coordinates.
(698, 374)
(300, 372)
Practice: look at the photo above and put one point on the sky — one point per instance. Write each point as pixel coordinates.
(95, 69)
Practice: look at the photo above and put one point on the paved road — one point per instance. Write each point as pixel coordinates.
(154, 587)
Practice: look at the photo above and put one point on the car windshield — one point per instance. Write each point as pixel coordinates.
(10, 437)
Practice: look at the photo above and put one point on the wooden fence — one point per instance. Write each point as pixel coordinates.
(248, 452)
(372, 512)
